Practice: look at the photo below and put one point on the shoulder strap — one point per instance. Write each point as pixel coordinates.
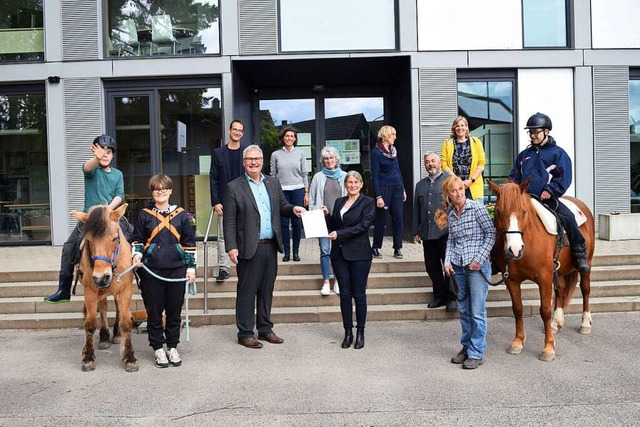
(165, 222)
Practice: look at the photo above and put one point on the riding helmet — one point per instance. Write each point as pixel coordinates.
(105, 141)
(538, 120)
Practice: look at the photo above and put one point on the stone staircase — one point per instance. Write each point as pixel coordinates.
(398, 290)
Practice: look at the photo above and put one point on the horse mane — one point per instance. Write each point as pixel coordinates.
(514, 199)
(97, 222)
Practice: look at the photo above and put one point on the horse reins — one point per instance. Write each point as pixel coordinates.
(456, 288)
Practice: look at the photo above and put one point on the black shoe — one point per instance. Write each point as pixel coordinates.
(397, 254)
(461, 356)
(438, 302)
(376, 253)
(286, 258)
(63, 294)
(452, 306)
(359, 338)
(348, 338)
(296, 257)
(472, 363)
(222, 276)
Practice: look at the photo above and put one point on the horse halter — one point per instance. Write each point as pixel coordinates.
(111, 260)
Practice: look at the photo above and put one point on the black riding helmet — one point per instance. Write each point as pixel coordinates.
(540, 121)
(105, 141)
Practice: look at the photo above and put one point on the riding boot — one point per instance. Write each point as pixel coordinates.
(359, 338)
(63, 294)
(348, 337)
(580, 258)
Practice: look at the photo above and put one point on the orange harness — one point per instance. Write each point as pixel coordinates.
(165, 222)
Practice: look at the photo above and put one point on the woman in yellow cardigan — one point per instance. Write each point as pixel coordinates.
(462, 155)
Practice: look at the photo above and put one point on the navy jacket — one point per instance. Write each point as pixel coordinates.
(220, 173)
(548, 167)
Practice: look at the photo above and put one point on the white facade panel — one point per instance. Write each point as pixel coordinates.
(615, 24)
(469, 25)
(548, 91)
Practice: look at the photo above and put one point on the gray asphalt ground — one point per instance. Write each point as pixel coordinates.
(402, 377)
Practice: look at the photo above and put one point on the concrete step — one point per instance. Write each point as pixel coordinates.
(327, 313)
(307, 298)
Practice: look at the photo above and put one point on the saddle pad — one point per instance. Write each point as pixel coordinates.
(549, 220)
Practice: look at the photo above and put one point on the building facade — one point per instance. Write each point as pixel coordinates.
(166, 77)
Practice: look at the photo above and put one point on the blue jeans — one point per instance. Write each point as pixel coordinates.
(472, 305)
(296, 198)
(325, 260)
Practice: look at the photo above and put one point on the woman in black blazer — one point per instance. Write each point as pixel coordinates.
(351, 253)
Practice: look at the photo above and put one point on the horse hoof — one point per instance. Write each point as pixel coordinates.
(88, 366)
(547, 357)
(103, 345)
(585, 330)
(514, 349)
(131, 367)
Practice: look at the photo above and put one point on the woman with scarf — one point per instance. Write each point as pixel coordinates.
(326, 186)
(462, 155)
(388, 190)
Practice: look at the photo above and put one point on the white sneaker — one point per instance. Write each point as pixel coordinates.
(174, 357)
(161, 358)
(326, 289)
(336, 288)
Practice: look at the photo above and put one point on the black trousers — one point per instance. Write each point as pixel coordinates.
(568, 221)
(256, 277)
(352, 276)
(434, 252)
(158, 296)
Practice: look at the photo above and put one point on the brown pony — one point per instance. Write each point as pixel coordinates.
(105, 250)
(526, 251)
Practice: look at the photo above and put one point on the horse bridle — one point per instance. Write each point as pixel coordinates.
(111, 260)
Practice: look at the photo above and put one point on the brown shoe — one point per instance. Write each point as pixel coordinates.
(271, 338)
(250, 342)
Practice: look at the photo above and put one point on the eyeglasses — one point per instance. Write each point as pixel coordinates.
(534, 131)
(237, 130)
(161, 190)
(253, 159)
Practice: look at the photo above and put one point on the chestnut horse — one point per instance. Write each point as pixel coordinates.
(526, 251)
(105, 250)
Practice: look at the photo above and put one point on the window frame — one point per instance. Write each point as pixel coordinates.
(569, 23)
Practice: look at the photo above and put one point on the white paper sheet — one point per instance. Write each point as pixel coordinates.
(314, 224)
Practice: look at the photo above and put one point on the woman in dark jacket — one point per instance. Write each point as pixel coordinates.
(351, 253)
(164, 240)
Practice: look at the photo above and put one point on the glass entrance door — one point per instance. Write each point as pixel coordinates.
(168, 130)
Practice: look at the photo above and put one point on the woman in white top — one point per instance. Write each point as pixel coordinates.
(326, 186)
(289, 165)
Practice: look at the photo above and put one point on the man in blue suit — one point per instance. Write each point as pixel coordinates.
(226, 165)
(253, 204)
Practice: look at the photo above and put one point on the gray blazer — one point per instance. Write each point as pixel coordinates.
(241, 219)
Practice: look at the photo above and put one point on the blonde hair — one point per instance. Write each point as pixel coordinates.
(449, 183)
(385, 131)
(455, 122)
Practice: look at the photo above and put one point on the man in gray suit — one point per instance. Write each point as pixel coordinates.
(253, 204)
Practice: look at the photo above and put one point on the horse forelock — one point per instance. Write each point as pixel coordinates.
(511, 200)
(97, 223)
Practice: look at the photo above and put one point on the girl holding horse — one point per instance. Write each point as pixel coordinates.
(164, 241)
(471, 237)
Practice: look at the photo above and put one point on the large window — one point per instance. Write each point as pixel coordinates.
(334, 25)
(488, 106)
(21, 31)
(24, 170)
(634, 131)
(170, 127)
(162, 27)
(544, 23)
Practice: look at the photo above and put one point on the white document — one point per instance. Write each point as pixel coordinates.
(314, 224)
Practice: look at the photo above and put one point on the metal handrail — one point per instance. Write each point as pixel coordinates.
(206, 262)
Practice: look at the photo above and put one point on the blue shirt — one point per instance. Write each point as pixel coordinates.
(471, 235)
(261, 195)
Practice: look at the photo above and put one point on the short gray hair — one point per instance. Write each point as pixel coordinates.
(355, 174)
(252, 147)
(328, 152)
(429, 153)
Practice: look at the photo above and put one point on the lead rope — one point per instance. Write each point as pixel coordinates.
(189, 288)
(456, 288)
